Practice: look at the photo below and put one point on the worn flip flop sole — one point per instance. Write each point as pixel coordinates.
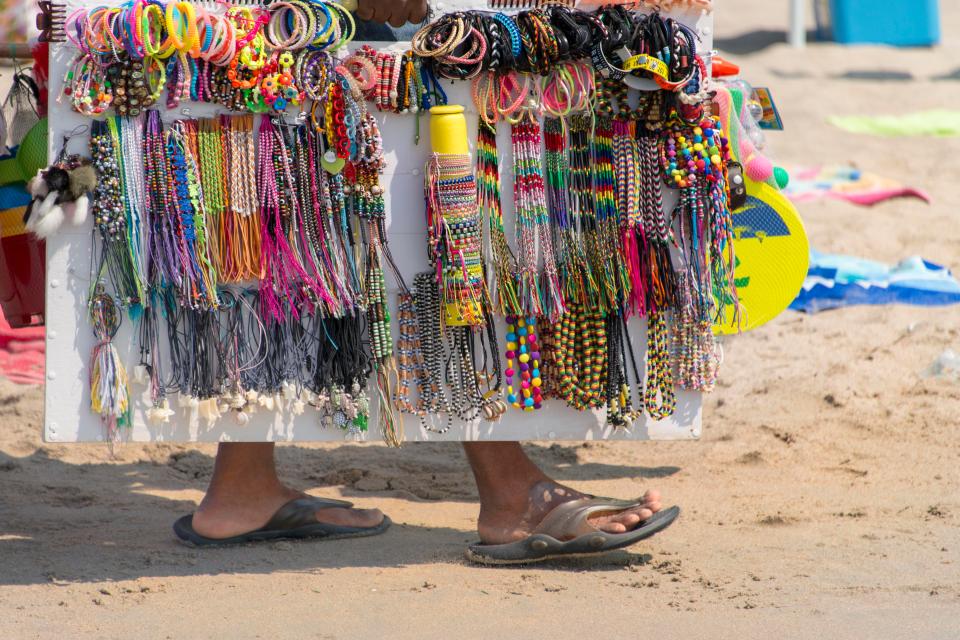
(540, 547)
(183, 528)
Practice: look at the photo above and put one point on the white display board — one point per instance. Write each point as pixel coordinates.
(68, 417)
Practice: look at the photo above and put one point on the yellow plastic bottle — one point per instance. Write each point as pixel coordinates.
(448, 130)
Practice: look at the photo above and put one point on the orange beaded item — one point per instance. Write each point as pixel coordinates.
(233, 74)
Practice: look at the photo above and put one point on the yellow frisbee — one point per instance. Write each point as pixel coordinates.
(773, 255)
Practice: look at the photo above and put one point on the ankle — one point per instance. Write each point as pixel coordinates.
(233, 496)
(516, 495)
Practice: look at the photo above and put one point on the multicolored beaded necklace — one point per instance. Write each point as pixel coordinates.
(503, 289)
(539, 294)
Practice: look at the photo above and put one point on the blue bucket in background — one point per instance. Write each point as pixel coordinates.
(901, 23)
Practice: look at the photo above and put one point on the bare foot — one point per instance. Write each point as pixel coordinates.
(516, 521)
(219, 517)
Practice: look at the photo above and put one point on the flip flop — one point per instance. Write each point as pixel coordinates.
(566, 532)
(295, 520)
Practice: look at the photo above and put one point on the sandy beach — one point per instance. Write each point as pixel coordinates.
(823, 500)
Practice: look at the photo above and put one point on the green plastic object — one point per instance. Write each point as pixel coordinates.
(31, 156)
(782, 177)
(940, 123)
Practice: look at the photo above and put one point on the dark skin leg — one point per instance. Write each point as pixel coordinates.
(515, 495)
(246, 491)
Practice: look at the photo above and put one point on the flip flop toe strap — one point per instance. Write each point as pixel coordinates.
(572, 519)
(302, 512)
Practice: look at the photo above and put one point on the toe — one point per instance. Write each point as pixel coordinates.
(362, 518)
(652, 496)
(630, 519)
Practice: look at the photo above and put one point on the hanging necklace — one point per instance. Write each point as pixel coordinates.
(580, 356)
(454, 236)
(571, 257)
(614, 278)
(109, 392)
(583, 219)
(504, 289)
(539, 295)
(523, 347)
(116, 258)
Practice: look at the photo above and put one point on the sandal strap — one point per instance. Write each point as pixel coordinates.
(301, 512)
(572, 519)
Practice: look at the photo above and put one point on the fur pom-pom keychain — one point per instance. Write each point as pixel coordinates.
(60, 191)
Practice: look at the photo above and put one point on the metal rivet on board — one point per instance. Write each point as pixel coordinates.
(54, 284)
(51, 375)
(51, 335)
(552, 435)
(53, 427)
(416, 172)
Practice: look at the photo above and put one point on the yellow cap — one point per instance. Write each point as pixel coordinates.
(448, 130)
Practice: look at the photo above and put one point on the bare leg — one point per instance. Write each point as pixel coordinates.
(245, 492)
(515, 495)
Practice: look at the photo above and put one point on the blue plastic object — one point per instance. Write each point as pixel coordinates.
(901, 23)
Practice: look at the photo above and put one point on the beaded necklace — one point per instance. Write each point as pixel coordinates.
(429, 327)
(583, 219)
(450, 380)
(294, 165)
(284, 279)
(539, 295)
(522, 345)
(90, 93)
(694, 158)
(109, 215)
(696, 349)
(548, 365)
(454, 236)
(504, 284)
(659, 393)
(571, 257)
(331, 229)
(580, 352)
(132, 172)
(368, 204)
(164, 247)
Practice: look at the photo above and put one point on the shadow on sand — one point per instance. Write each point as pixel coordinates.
(58, 524)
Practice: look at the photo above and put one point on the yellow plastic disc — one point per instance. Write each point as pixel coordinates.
(773, 255)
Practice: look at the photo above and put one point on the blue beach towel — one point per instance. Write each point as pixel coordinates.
(840, 281)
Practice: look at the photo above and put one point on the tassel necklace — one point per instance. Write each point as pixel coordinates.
(109, 391)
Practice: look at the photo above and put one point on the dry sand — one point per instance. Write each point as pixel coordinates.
(822, 502)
